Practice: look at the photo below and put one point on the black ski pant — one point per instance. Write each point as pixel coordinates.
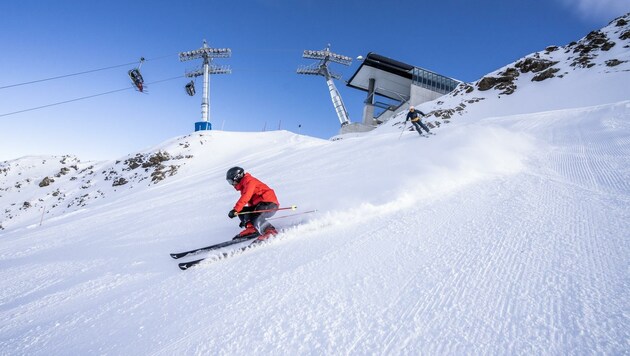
(259, 220)
(418, 124)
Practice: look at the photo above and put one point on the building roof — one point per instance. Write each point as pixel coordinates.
(393, 78)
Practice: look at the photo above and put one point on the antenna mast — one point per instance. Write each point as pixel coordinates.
(321, 68)
(208, 68)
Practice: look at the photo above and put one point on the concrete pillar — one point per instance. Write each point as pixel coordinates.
(368, 109)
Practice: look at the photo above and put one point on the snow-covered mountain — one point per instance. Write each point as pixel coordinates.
(583, 73)
(506, 233)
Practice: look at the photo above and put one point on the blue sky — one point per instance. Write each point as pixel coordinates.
(42, 39)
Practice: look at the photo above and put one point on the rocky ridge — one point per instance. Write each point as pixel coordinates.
(36, 188)
(593, 52)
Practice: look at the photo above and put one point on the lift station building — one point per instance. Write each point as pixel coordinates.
(399, 83)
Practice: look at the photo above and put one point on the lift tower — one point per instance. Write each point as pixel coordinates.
(208, 68)
(321, 68)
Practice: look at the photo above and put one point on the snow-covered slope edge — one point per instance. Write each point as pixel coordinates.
(38, 189)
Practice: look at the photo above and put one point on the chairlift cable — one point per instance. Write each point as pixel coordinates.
(84, 97)
(80, 73)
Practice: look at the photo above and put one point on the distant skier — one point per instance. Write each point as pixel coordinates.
(414, 116)
(255, 196)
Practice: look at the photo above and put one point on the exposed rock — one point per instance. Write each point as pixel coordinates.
(607, 46)
(156, 159)
(46, 182)
(614, 62)
(597, 39)
(159, 174)
(505, 83)
(586, 48)
(487, 83)
(63, 171)
(624, 36)
(551, 49)
(474, 100)
(86, 169)
(549, 73)
(463, 87)
(534, 65)
(119, 181)
(65, 159)
(134, 162)
(444, 114)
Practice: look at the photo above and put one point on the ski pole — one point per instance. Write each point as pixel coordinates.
(286, 216)
(292, 207)
(403, 130)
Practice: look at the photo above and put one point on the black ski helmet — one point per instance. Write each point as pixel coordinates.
(234, 175)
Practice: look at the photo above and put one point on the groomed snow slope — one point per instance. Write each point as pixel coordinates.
(505, 235)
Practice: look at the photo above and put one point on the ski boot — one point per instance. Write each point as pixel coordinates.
(250, 231)
(270, 231)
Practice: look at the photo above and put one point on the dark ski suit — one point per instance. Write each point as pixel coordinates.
(414, 116)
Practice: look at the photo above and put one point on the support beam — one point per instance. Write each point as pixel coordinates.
(368, 109)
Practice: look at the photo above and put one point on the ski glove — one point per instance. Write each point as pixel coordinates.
(232, 213)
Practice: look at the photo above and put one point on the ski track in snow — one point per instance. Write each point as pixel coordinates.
(529, 262)
(551, 282)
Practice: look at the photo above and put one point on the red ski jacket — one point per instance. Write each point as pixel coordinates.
(253, 192)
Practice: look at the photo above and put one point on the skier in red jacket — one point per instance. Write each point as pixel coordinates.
(255, 196)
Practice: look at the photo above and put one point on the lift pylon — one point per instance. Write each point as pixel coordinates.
(207, 54)
(325, 56)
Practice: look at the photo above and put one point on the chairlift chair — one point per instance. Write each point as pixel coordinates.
(190, 88)
(136, 79)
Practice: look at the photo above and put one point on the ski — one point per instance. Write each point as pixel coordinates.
(219, 256)
(213, 247)
(186, 265)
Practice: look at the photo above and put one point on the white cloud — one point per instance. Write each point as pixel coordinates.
(599, 10)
